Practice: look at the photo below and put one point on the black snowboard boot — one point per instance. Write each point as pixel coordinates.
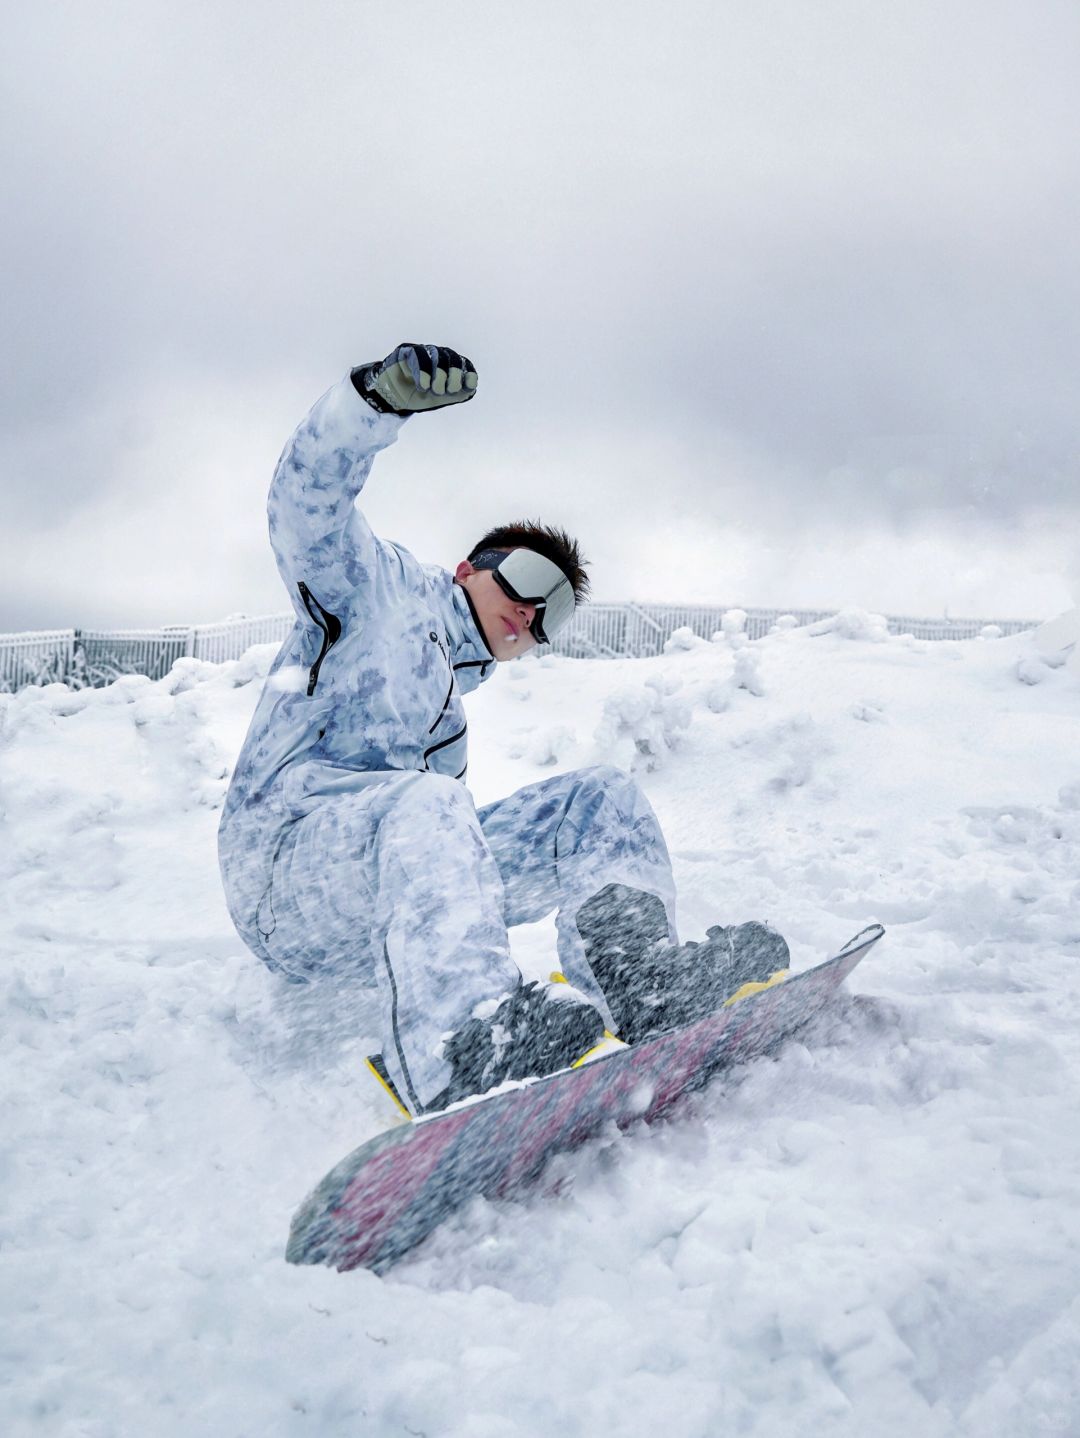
(652, 985)
(538, 1030)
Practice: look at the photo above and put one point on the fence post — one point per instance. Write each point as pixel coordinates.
(76, 650)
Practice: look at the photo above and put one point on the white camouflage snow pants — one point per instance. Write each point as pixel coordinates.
(406, 884)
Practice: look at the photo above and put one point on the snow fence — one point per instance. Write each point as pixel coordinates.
(94, 657)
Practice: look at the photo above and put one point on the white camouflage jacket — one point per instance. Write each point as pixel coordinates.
(370, 678)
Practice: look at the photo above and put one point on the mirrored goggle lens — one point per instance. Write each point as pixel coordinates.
(532, 579)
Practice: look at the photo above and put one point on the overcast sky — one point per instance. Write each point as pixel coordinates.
(772, 303)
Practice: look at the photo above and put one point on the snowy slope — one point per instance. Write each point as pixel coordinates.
(877, 1233)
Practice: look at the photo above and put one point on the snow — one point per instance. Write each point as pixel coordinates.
(876, 1232)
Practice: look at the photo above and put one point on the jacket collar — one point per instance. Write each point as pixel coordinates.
(473, 661)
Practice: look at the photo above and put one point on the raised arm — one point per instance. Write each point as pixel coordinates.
(320, 538)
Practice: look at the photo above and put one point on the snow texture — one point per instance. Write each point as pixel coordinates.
(878, 1232)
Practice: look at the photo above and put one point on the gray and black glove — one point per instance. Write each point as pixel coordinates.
(416, 377)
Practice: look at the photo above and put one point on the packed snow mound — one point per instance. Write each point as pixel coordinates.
(854, 624)
(877, 1232)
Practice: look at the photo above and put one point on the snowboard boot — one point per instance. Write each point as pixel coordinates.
(652, 985)
(537, 1030)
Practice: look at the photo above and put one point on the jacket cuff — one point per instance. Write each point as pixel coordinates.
(370, 396)
(359, 413)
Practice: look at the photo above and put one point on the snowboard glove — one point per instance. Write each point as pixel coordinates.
(414, 378)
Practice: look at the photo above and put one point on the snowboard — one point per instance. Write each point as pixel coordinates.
(388, 1195)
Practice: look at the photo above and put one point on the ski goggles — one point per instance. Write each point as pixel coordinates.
(529, 578)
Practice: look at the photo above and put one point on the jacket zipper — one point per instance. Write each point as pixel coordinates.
(450, 691)
(442, 744)
(330, 625)
(442, 711)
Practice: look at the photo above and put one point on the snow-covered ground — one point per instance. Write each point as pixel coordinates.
(876, 1233)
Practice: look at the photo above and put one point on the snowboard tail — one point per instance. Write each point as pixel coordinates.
(388, 1195)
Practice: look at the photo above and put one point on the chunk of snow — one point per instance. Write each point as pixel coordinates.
(854, 624)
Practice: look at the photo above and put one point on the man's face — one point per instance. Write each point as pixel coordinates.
(505, 621)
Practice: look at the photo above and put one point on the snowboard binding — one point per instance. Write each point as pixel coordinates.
(537, 1030)
(652, 985)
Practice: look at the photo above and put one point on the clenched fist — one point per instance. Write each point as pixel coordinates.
(416, 377)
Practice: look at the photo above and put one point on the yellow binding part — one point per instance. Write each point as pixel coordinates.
(748, 989)
(387, 1087)
(607, 1045)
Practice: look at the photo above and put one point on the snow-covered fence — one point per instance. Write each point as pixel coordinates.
(101, 655)
(92, 657)
(37, 658)
(609, 631)
(641, 630)
(956, 628)
(229, 639)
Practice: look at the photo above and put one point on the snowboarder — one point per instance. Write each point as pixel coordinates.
(349, 842)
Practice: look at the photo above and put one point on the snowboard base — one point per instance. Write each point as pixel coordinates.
(387, 1196)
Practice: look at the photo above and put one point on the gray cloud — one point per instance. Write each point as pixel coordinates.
(767, 268)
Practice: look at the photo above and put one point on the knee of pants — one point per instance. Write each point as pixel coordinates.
(432, 803)
(610, 817)
(614, 784)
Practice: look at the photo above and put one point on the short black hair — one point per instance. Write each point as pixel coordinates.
(554, 544)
